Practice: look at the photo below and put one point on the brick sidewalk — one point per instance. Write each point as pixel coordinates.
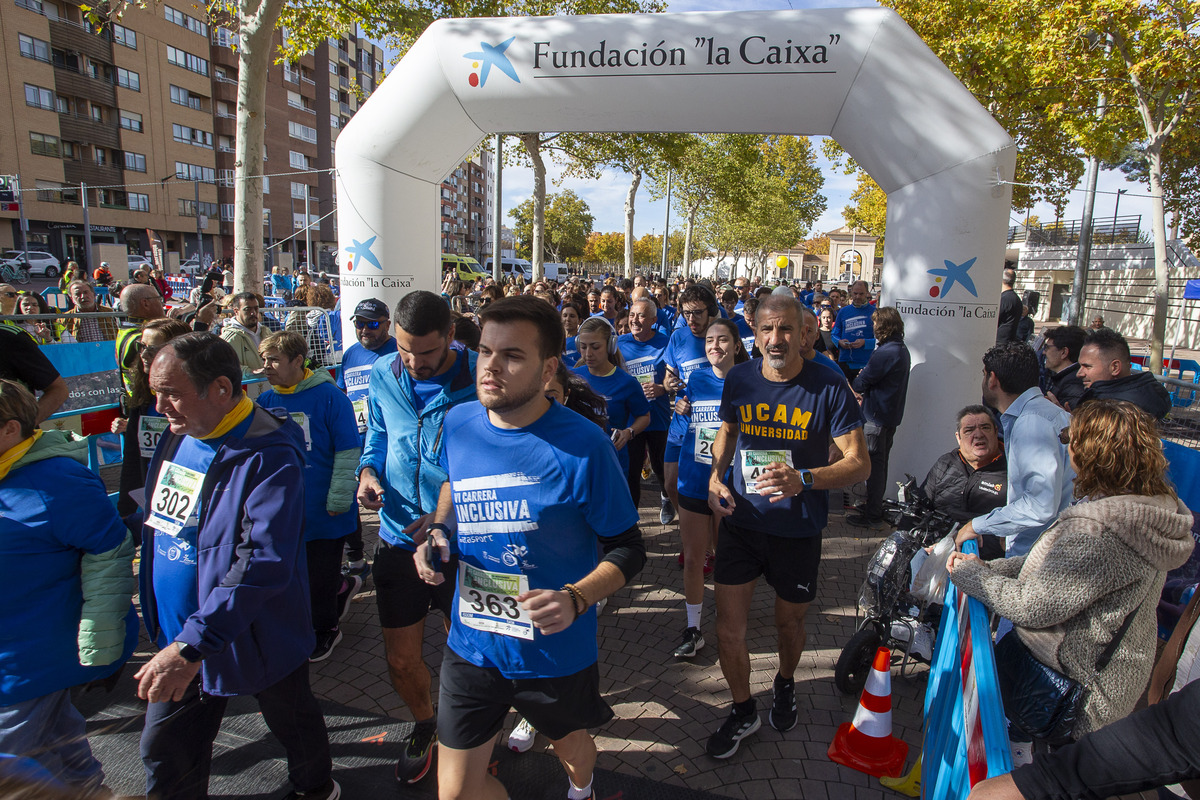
(666, 710)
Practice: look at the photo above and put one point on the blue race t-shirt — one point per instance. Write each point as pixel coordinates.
(424, 391)
(792, 422)
(175, 494)
(665, 320)
(853, 324)
(695, 459)
(570, 353)
(644, 361)
(625, 398)
(355, 377)
(327, 419)
(530, 504)
(745, 333)
(685, 355)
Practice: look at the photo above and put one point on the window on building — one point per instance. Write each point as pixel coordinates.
(32, 5)
(43, 144)
(135, 162)
(182, 58)
(304, 133)
(189, 135)
(224, 111)
(266, 183)
(334, 121)
(183, 97)
(38, 97)
(111, 198)
(69, 151)
(129, 79)
(194, 172)
(123, 36)
(225, 177)
(101, 157)
(97, 113)
(223, 37)
(294, 99)
(131, 121)
(297, 190)
(34, 48)
(227, 212)
(297, 160)
(190, 208)
(333, 67)
(138, 202)
(184, 21)
(225, 144)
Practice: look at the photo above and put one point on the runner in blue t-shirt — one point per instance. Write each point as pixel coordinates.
(532, 487)
(644, 350)
(778, 415)
(697, 525)
(572, 315)
(853, 333)
(332, 449)
(685, 354)
(600, 365)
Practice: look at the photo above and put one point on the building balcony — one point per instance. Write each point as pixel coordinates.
(92, 173)
(66, 35)
(224, 91)
(72, 83)
(86, 130)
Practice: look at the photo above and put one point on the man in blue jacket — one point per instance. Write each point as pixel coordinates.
(224, 583)
(400, 476)
(882, 387)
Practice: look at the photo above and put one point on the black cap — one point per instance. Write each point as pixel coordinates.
(371, 309)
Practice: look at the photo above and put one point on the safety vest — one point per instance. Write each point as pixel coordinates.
(129, 344)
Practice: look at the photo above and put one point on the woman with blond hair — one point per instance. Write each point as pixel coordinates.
(1091, 583)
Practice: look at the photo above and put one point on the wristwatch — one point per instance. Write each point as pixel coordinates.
(189, 653)
(806, 478)
(445, 529)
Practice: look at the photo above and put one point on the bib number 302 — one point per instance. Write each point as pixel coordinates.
(174, 498)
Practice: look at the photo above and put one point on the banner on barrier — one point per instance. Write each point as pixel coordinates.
(965, 737)
(90, 370)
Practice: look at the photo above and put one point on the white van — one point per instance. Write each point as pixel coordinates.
(511, 268)
(555, 272)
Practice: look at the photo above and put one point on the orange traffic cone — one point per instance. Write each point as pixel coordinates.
(867, 744)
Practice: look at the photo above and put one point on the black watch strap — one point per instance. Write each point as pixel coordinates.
(189, 653)
(441, 526)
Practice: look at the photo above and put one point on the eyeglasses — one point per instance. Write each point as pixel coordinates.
(369, 324)
(694, 314)
(1064, 436)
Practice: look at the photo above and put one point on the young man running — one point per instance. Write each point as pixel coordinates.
(531, 488)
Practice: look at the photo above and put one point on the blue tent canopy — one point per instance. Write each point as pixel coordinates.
(1192, 290)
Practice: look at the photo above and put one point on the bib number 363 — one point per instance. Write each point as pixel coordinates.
(487, 601)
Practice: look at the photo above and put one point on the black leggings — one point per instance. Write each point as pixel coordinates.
(656, 443)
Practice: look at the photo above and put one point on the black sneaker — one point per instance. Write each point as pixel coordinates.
(326, 641)
(417, 758)
(330, 791)
(692, 642)
(724, 743)
(666, 514)
(363, 572)
(351, 585)
(783, 710)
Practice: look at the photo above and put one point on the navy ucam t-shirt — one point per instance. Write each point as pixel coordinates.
(530, 503)
(791, 422)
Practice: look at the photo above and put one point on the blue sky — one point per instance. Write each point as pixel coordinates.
(606, 197)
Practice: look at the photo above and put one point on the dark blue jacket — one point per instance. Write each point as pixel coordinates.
(883, 383)
(254, 626)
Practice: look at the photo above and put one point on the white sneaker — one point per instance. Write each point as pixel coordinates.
(521, 738)
(922, 645)
(1022, 753)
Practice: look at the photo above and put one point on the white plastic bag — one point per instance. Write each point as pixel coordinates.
(929, 585)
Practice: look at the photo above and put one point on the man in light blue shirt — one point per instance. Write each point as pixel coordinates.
(1039, 472)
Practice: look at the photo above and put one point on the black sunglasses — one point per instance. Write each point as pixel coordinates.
(369, 324)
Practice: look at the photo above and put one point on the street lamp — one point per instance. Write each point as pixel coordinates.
(1116, 207)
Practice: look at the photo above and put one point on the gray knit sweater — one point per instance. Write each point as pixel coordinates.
(1068, 597)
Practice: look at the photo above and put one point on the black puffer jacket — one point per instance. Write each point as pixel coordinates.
(1140, 388)
(965, 493)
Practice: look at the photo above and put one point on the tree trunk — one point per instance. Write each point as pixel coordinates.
(256, 30)
(687, 241)
(630, 196)
(1158, 227)
(533, 146)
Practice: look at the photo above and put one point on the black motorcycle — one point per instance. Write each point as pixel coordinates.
(887, 613)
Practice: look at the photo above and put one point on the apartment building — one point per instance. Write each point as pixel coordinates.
(466, 201)
(138, 119)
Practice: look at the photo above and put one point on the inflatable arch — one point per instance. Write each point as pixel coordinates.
(861, 76)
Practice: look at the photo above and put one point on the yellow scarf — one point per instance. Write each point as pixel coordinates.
(232, 419)
(308, 373)
(16, 453)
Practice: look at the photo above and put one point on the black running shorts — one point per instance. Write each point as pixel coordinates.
(401, 596)
(790, 565)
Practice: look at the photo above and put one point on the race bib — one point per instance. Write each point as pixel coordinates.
(360, 414)
(301, 419)
(150, 430)
(645, 378)
(755, 462)
(487, 601)
(704, 444)
(175, 497)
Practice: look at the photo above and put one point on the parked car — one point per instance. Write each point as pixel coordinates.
(137, 262)
(40, 262)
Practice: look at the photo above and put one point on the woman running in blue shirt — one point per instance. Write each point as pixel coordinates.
(697, 525)
(601, 365)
